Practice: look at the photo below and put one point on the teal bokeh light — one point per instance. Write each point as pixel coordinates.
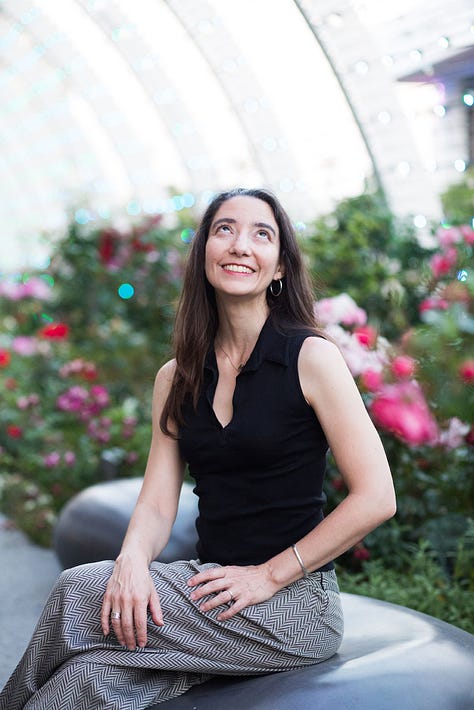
(125, 291)
(187, 235)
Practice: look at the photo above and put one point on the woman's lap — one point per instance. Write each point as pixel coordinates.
(300, 625)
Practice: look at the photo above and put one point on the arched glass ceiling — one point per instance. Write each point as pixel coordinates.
(108, 104)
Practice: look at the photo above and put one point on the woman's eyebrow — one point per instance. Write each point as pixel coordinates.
(265, 226)
(227, 220)
(231, 220)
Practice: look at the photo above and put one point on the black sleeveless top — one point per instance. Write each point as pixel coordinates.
(259, 479)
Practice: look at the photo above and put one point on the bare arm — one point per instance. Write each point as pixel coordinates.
(130, 590)
(329, 388)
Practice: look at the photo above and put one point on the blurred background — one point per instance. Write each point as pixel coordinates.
(107, 105)
(119, 119)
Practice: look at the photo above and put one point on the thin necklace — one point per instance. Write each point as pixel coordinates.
(237, 369)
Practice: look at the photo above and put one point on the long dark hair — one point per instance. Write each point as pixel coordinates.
(196, 321)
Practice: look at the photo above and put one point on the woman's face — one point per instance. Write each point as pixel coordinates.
(243, 248)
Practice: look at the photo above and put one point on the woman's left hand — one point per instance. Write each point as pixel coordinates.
(237, 586)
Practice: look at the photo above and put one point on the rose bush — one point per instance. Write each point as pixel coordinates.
(70, 416)
(419, 391)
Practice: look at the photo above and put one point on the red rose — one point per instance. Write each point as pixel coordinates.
(55, 331)
(361, 553)
(466, 370)
(107, 245)
(14, 431)
(470, 436)
(5, 358)
(338, 483)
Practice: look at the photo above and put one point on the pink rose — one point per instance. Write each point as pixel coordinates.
(455, 434)
(340, 309)
(402, 409)
(442, 263)
(366, 335)
(70, 458)
(468, 233)
(100, 395)
(403, 366)
(52, 460)
(372, 380)
(433, 304)
(448, 236)
(25, 345)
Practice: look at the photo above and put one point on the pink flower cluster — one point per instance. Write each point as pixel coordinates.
(34, 287)
(99, 429)
(396, 402)
(85, 403)
(340, 309)
(25, 345)
(128, 427)
(54, 458)
(79, 367)
(445, 260)
(447, 236)
(27, 401)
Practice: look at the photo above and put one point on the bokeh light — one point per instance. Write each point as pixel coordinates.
(187, 235)
(126, 291)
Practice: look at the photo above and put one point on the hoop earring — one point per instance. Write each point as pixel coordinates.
(275, 295)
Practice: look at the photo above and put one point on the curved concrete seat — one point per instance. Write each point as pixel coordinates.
(391, 658)
(92, 524)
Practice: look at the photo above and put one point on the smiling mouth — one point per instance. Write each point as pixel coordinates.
(238, 268)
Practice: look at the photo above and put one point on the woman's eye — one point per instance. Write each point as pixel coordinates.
(223, 228)
(263, 234)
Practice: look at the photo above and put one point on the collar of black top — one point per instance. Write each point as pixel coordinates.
(271, 345)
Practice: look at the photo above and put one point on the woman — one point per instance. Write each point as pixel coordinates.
(252, 400)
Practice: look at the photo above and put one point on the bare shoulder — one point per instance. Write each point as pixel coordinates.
(320, 355)
(164, 379)
(324, 376)
(166, 373)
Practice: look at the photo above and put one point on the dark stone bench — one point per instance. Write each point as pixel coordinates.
(392, 658)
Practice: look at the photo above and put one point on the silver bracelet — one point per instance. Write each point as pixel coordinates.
(298, 557)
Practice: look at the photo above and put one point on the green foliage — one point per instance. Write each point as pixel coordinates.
(76, 372)
(458, 200)
(441, 345)
(361, 249)
(130, 335)
(420, 584)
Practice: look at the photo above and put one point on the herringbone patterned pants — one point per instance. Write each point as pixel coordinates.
(70, 665)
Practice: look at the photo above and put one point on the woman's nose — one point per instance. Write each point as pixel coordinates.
(240, 244)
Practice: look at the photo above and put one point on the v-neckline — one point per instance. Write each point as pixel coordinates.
(211, 392)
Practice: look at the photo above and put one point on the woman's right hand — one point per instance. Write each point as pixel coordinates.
(130, 592)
